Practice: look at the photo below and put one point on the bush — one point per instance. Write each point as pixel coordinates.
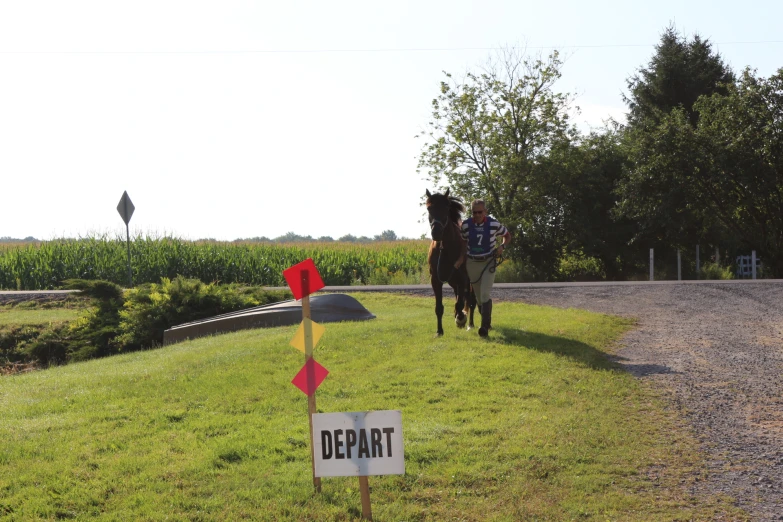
(130, 320)
(578, 267)
(92, 335)
(715, 271)
(152, 308)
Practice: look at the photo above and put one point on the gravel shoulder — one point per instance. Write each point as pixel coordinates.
(717, 350)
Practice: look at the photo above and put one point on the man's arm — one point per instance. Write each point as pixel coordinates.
(506, 240)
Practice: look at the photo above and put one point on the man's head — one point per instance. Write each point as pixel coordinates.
(479, 211)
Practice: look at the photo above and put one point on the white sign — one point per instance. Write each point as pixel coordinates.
(360, 443)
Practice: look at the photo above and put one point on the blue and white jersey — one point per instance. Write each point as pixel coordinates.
(482, 239)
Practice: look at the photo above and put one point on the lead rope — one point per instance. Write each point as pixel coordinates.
(496, 262)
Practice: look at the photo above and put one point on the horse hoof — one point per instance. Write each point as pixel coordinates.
(439, 334)
(483, 332)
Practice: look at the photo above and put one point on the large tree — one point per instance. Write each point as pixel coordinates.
(732, 162)
(659, 200)
(679, 72)
(596, 229)
(493, 136)
(739, 169)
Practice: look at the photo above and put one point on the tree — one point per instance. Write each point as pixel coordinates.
(660, 200)
(597, 230)
(739, 168)
(386, 235)
(491, 137)
(678, 73)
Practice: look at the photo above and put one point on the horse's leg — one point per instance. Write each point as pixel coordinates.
(472, 306)
(459, 306)
(437, 287)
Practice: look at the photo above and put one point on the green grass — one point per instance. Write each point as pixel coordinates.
(531, 425)
(24, 316)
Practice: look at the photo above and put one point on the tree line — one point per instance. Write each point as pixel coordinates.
(699, 160)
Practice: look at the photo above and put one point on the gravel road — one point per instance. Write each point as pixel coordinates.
(717, 350)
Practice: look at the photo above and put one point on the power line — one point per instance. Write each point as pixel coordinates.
(375, 50)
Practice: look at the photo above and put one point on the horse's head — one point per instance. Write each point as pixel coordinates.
(443, 210)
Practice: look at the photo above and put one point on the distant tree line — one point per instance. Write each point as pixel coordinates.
(290, 237)
(6, 239)
(698, 162)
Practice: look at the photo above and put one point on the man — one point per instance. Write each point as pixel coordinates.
(485, 238)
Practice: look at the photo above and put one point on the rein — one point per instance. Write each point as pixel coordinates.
(492, 267)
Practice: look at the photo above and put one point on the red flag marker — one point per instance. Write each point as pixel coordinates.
(303, 279)
(310, 377)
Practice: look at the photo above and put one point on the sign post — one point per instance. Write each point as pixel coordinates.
(303, 279)
(126, 208)
(341, 444)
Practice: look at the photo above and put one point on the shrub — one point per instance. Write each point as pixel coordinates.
(92, 335)
(154, 307)
(715, 271)
(130, 320)
(578, 267)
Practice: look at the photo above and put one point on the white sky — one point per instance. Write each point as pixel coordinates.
(232, 119)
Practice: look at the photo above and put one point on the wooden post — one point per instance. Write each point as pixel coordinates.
(698, 267)
(753, 262)
(651, 265)
(364, 487)
(679, 266)
(308, 339)
(717, 255)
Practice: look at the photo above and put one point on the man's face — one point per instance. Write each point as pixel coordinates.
(479, 212)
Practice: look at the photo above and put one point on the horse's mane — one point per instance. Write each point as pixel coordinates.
(456, 207)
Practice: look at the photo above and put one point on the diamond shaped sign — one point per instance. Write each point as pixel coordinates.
(303, 279)
(125, 207)
(298, 341)
(310, 377)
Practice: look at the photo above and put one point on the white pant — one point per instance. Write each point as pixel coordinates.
(482, 287)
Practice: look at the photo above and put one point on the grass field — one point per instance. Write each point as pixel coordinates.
(24, 316)
(533, 424)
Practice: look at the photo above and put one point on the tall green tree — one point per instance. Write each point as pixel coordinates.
(664, 206)
(739, 168)
(596, 229)
(679, 72)
(493, 135)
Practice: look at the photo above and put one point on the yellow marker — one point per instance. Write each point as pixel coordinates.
(298, 341)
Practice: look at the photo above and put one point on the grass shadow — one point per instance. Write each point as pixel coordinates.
(577, 351)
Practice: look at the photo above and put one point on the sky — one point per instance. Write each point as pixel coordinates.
(238, 119)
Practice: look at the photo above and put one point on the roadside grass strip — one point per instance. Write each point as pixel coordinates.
(20, 316)
(534, 424)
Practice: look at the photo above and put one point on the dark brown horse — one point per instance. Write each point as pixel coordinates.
(447, 250)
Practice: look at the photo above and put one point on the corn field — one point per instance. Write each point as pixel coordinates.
(45, 265)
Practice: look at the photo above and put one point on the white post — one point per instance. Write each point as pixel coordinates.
(698, 267)
(753, 263)
(679, 266)
(652, 278)
(717, 255)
